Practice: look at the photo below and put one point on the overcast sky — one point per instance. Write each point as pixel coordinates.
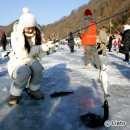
(46, 11)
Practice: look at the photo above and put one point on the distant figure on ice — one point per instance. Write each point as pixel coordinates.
(3, 41)
(24, 66)
(53, 36)
(109, 46)
(102, 40)
(71, 42)
(117, 42)
(89, 39)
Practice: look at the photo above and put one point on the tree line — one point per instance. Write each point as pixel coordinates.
(101, 9)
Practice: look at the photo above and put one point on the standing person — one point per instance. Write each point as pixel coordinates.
(117, 42)
(53, 37)
(3, 41)
(110, 42)
(71, 42)
(89, 39)
(126, 40)
(24, 66)
(102, 40)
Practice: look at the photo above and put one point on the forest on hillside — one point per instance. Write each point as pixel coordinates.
(101, 9)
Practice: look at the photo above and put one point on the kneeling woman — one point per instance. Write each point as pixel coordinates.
(24, 66)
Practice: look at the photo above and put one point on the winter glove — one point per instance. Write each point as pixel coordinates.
(50, 44)
(35, 50)
(44, 48)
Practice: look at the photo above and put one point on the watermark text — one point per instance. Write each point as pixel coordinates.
(116, 123)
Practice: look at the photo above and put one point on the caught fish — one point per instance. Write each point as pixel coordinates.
(103, 80)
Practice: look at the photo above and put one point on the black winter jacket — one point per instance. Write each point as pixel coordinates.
(126, 35)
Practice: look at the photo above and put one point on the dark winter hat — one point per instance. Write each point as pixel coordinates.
(70, 33)
(87, 12)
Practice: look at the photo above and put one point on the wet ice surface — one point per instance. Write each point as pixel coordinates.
(64, 71)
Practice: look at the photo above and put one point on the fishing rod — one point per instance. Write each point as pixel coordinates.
(100, 21)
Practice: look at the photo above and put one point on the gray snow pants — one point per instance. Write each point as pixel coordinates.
(91, 53)
(26, 74)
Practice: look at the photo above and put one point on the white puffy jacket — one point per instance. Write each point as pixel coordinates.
(19, 56)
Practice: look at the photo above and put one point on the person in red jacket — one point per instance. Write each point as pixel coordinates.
(89, 39)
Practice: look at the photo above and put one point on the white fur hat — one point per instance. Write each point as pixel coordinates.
(27, 19)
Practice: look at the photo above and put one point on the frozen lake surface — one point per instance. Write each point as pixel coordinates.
(64, 71)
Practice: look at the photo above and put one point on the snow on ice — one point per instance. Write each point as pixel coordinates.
(65, 71)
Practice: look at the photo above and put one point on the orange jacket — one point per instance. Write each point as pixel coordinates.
(89, 38)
